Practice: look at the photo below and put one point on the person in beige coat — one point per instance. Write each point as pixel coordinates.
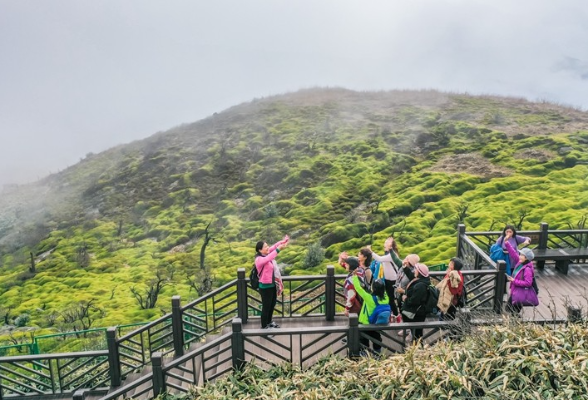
(451, 290)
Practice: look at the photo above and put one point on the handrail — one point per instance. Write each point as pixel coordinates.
(55, 356)
(132, 385)
(144, 327)
(478, 250)
(487, 233)
(210, 295)
(198, 351)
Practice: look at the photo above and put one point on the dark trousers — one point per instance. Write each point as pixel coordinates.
(268, 303)
(514, 309)
(450, 314)
(375, 335)
(390, 292)
(454, 332)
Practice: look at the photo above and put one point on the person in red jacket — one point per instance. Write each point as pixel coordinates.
(270, 279)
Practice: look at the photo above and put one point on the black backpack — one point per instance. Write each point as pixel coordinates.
(432, 299)
(254, 277)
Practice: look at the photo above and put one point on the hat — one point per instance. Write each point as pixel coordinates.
(528, 253)
(353, 263)
(412, 259)
(423, 269)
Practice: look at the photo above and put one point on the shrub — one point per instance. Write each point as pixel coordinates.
(22, 320)
(315, 255)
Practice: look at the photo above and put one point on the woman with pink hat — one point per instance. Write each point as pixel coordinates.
(413, 306)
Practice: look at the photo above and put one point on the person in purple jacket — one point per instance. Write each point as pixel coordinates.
(514, 240)
(270, 280)
(522, 275)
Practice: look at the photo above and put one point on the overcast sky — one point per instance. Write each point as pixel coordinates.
(82, 76)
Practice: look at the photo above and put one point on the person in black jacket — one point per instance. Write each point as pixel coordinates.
(415, 299)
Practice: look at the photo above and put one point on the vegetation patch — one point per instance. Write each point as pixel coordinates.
(471, 163)
(513, 361)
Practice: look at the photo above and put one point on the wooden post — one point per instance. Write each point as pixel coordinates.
(177, 327)
(158, 378)
(543, 235)
(113, 358)
(500, 286)
(574, 314)
(353, 336)
(330, 293)
(461, 229)
(238, 345)
(242, 295)
(80, 394)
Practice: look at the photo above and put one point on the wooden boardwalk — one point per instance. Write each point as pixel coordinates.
(557, 291)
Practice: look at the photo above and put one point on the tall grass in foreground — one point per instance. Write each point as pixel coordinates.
(512, 361)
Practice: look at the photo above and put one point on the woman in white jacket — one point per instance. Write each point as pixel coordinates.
(386, 267)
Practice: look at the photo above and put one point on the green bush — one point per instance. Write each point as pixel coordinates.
(314, 256)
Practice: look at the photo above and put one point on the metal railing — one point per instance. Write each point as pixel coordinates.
(47, 374)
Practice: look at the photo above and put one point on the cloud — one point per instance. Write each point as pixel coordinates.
(80, 77)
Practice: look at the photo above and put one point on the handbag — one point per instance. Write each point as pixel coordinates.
(525, 297)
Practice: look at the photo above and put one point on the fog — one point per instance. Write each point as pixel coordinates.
(82, 76)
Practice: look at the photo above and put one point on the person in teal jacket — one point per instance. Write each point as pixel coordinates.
(378, 290)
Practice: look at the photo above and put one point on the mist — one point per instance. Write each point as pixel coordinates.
(79, 77)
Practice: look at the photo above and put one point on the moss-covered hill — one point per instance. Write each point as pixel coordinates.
(331, 167)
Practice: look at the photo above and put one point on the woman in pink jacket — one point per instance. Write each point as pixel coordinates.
(270, 279)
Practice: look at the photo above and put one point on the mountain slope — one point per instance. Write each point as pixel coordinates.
(328, 166)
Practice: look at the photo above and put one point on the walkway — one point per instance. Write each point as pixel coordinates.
(557, 291)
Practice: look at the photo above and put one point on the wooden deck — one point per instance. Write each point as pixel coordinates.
(557, 291)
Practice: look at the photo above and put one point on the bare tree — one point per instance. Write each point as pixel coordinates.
(32, 268)
(82, 255)
(462, 213)
(202, 281)
(5, 314)
(522, 215)
(147, 298)
(82, 315)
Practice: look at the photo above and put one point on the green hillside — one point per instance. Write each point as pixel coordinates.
(333, 168)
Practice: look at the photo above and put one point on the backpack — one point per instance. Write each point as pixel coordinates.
(497, 254)
(254, 277)
(381, 314)
(432, 299)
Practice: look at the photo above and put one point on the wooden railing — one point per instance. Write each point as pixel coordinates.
(234, 304)
(49, 374)
(540, 239)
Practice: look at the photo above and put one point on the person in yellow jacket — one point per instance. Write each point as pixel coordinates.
(369, 305)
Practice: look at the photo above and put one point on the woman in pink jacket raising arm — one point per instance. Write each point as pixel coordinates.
(270, 279)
